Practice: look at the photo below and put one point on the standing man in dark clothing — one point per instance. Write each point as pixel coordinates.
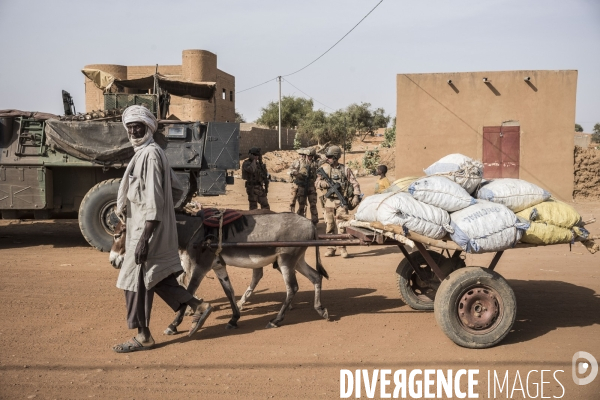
(254, 172)
(304, 173)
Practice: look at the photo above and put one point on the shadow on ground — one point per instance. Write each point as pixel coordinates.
(544, 306)
(26, 233)
(264, 306)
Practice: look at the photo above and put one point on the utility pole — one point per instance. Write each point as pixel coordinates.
(279, 80)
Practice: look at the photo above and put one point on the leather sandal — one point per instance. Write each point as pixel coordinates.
(130, 346)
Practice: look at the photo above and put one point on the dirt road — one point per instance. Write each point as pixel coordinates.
(61, 313)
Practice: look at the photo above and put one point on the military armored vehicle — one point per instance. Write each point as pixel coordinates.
(71, 166)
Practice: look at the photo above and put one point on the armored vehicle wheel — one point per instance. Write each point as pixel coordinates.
(417, 293)
(97, 218)
(475, 307)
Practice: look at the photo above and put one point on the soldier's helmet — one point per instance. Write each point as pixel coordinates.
(255, 151)
(303, 151)
(334, 151)
(312, 151)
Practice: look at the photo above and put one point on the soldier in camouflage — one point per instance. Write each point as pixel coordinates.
(303, 172)
(293, 171)
(254, 172)
(334, 209)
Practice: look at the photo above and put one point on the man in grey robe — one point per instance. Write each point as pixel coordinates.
(151, 261)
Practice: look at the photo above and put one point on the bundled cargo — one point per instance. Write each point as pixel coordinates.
(552, 222)
(367, 209)
(486, 227)
(441, 192)
(552, 212)
(542, 233)
(401, 185)
(516, 194)
(403, 210)
(463, 170)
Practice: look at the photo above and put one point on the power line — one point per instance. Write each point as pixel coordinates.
(260, 84)
(316, 59)
(312, 98)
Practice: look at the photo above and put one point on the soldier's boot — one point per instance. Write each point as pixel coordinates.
(330, 252)
(343, 252)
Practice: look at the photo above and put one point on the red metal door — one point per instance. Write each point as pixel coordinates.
(501, 151)
(492, 154)
(510, 139)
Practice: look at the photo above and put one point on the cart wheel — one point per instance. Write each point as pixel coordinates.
(475, 307)
(414, 291)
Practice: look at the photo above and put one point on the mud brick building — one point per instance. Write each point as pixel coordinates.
(196, 66)
(519, 123)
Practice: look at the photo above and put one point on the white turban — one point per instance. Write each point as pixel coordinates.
(143, 115)
(134, 114)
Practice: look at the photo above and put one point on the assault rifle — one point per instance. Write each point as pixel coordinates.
(264, 174)
(334, 187)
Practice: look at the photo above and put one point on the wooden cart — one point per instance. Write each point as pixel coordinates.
(474, 306)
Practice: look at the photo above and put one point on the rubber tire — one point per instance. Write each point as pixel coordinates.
(89, 219)
(446, 302)
(404, 273)
(403, 276)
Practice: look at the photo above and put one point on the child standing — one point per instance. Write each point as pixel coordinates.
(383, 182)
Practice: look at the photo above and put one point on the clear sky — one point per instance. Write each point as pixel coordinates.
(44, 44)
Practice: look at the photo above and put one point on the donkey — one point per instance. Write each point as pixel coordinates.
(197, 260)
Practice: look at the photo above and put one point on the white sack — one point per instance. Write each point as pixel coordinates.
(461, 169)
(402, 210)
(441, 192)
(367, 209)
(515, 194)
(486, 227)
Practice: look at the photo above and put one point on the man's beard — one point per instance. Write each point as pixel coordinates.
(138, 143)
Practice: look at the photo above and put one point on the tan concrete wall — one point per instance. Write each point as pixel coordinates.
(226, 106)
(134, 72)
(94, 97)
(435, 119)
(197, 66)
(266, 139)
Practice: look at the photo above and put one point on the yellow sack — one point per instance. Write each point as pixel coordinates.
(552, 212)
(540, 233)
(401, 185)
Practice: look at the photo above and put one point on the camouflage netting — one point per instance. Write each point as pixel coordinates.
(27, 114)
(102, 142)
(587, 173)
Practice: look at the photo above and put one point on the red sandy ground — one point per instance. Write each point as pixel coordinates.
(61, 314)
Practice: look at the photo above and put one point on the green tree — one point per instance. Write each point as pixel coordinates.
(596, 133)
(365, 121)
(578, 128)
(371, 160)
(239, 118)
(293, 109)
(339, 131)
(390, 135)
(319, 127)
(313, 126)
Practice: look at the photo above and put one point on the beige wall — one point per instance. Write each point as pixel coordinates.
(197, 66)
(266, 139)
(435, 119)
(582, 139)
